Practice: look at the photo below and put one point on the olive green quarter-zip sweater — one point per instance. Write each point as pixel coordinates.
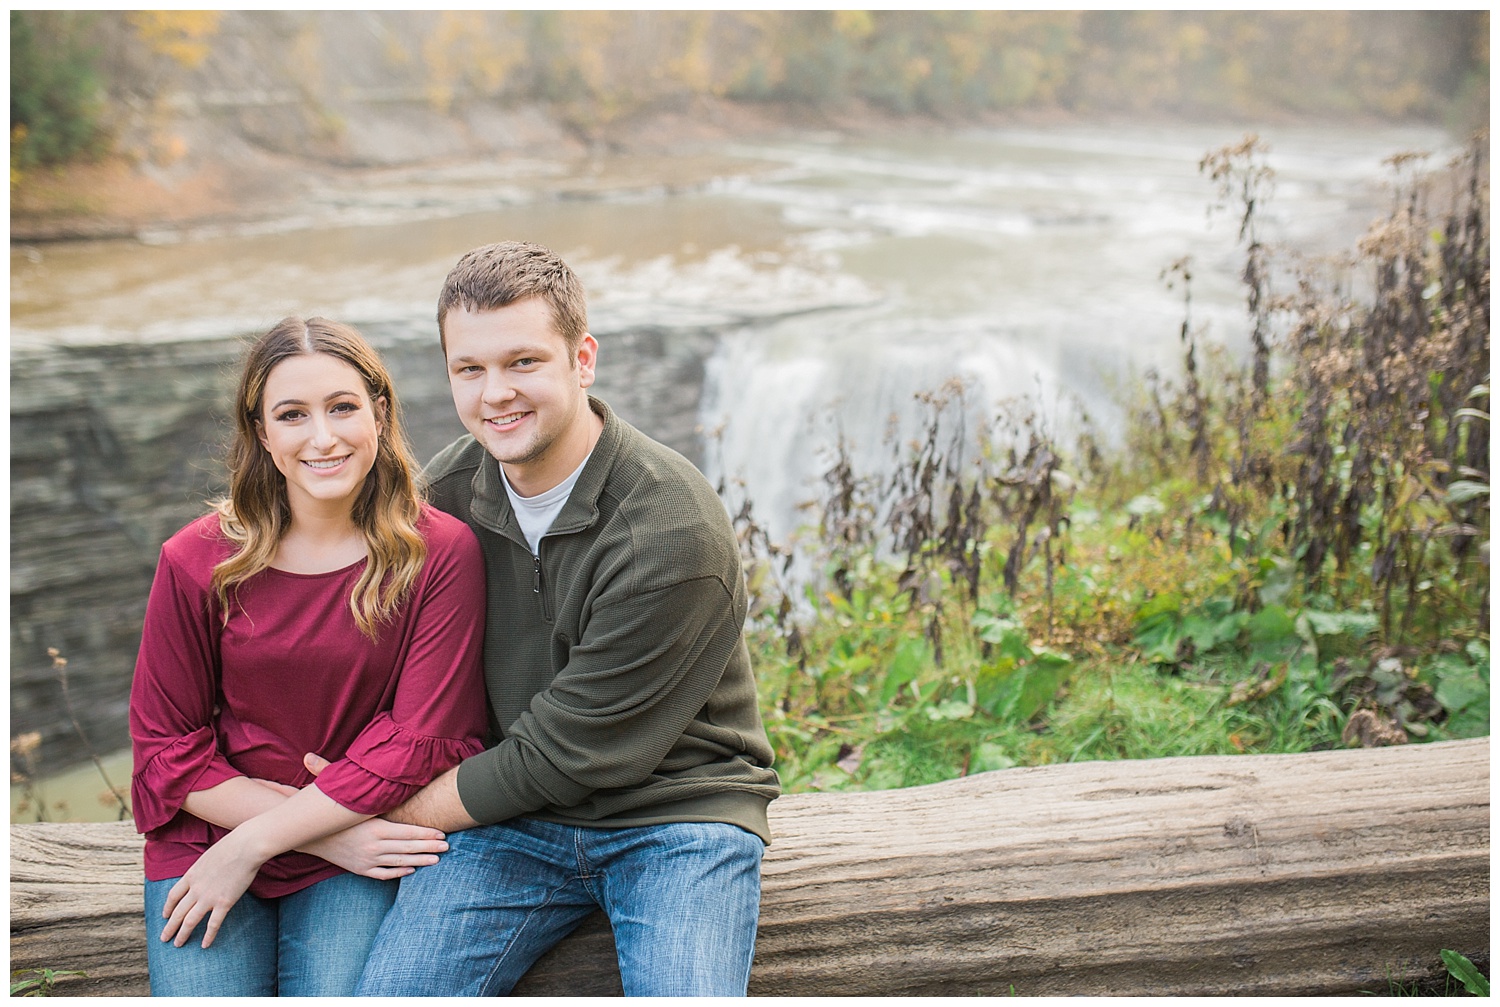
(619, 682)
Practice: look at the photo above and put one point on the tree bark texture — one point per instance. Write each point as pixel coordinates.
(1323, 873)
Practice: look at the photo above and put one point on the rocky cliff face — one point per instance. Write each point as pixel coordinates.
(113, 448)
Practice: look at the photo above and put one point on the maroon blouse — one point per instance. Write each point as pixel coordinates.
(290, 673)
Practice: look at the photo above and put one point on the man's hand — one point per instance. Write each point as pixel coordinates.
(436, 806)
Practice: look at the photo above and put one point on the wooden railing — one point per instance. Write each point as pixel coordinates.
(1325, 873)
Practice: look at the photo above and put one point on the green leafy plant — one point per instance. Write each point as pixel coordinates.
(1461, 685)
(1168, 635)
(1464, 971)
(1019, 678)
(39, 982)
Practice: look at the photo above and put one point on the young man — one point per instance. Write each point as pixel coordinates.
(629, 768)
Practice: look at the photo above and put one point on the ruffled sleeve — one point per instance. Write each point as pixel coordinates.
(173, 692)
(439, 715)
(181, 766)
(388, 763)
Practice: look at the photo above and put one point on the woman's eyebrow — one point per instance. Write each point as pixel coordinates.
(299, 402)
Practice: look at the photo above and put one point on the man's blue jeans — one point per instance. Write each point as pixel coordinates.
(683, 900)
(309, 943)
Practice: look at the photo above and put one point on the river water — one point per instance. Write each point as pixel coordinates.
(775, 292)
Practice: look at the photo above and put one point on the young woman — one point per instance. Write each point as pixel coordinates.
(321, 608)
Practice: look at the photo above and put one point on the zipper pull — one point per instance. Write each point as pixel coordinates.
(536, 575)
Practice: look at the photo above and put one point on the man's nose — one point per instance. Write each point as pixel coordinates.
(497, 387)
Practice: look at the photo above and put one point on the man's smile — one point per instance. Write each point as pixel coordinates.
(508, 420)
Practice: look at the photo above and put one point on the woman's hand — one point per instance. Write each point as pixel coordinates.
(209, 889)
(375, 848)
(379, 849)
(212, 886)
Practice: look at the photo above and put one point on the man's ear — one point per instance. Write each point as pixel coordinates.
(585, 359)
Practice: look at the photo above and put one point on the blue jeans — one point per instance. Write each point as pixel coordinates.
(683, 900)
(309, 943)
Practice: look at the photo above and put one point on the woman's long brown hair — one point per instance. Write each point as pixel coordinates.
(256, 514)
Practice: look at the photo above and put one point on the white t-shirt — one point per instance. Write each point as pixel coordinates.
(536, 514)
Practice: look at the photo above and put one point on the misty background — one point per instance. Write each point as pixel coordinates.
(790, 223)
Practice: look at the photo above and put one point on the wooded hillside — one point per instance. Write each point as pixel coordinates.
(335, 84)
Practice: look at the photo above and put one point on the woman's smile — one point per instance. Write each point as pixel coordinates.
(325, 464)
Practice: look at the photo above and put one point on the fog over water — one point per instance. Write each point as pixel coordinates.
(779, 291)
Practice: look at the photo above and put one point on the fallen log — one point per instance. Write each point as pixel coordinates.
(1316, 874)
